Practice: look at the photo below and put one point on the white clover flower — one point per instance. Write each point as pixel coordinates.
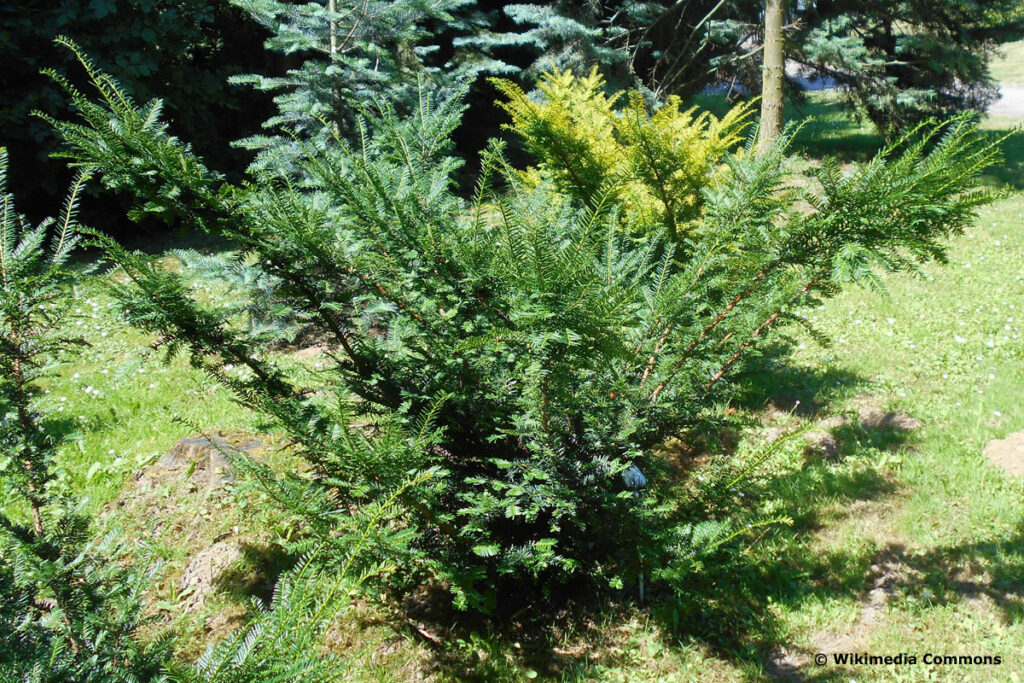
(959, 339)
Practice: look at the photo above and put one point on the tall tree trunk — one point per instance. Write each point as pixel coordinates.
(332, 7)
(773, 73)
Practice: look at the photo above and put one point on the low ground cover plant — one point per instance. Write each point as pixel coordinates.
(521, 345)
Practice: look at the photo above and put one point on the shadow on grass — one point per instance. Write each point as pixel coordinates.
(989, 571)
(774, 380)
(830, 127)
(256, 574)
(1010, 173)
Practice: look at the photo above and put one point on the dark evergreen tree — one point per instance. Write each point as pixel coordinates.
(664, 47)
(901, 62)
(344, 54)
(182, 51)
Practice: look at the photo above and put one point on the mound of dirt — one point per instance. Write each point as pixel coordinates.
(1007, 454)
(204, 570)
(822, 442)
(187, 501)
(821, 445)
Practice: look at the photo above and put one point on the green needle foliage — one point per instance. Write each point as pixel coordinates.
(251, 293)
(285, 640)
(521, 345)
(67, 612)
(351, 50)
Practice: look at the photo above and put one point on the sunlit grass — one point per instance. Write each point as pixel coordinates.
(1008, 67)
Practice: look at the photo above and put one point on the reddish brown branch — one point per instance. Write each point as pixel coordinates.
(654, 354)
(753, 338)
(708, 329)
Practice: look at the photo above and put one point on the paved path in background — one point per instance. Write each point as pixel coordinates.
(1011, 103)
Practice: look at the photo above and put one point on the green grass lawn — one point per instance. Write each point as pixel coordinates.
(1008, 67)
(123, 405)
(905, 542)
(929, 512)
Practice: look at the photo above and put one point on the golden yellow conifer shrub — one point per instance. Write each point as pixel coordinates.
(655, 164)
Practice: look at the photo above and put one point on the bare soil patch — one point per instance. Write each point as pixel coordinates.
(1007, 454)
